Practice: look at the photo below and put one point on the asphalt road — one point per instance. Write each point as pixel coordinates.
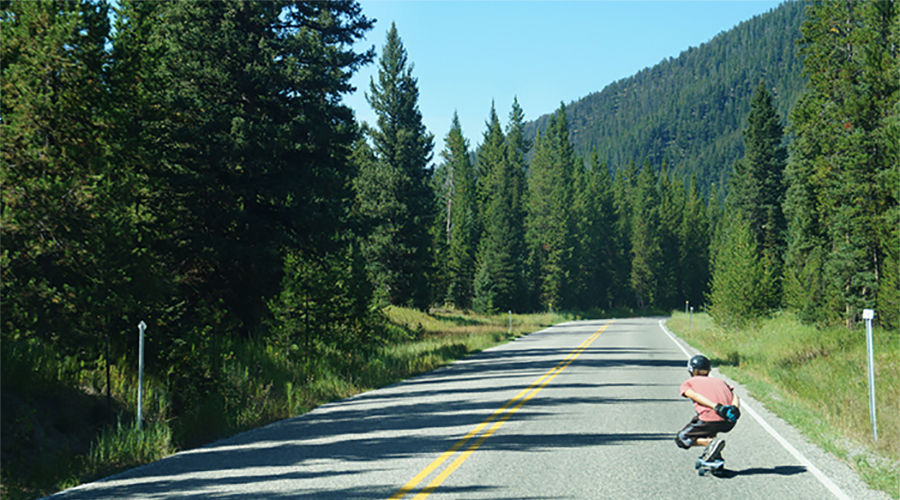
(581, 410)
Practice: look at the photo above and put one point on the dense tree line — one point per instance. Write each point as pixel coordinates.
(819, 232)
(190, 167)
(560, 232)
(844, 174)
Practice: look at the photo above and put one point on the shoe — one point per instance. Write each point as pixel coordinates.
(715, 451)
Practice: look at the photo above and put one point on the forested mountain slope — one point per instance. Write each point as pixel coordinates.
(690, 110)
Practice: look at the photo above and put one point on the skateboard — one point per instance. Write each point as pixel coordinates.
(715, 467)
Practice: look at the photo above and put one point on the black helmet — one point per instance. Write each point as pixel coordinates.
(698, 362)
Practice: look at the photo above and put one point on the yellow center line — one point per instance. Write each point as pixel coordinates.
(524, 396)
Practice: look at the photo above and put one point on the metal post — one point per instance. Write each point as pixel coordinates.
(691, 322)
(141, 327)
(868, 315)
(686, 302)
(510, 321)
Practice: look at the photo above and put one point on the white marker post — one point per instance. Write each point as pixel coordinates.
(141, 327)
(869, 315)
(510, 321)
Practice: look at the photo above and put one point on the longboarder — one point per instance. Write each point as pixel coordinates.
(717, 409)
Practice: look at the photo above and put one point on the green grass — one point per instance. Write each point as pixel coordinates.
(816, 379)
(58, 431)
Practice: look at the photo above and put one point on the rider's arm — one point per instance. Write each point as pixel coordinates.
(699, 398)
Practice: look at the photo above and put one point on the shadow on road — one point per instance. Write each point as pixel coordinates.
(780, 470)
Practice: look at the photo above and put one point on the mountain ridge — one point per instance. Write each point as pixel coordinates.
(690, 110)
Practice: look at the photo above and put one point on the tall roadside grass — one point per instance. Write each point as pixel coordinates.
(59, 430)
(816, 379)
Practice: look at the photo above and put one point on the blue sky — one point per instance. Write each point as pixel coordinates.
(467, 54)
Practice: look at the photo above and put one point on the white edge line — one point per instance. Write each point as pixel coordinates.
(828, 483)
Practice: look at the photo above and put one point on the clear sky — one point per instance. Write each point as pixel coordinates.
(467, 54)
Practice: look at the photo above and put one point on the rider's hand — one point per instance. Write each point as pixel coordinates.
(728, 412)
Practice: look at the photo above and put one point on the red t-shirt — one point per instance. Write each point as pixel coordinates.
(716, 390)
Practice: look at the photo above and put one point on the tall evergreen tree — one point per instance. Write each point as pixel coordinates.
(693, 237)
(596, 247)
(498, 281)
(549, 224)
(462, 220)
(757, 188)
(395, 195)
(623, 194)
(671, 213)
(646, 251)
(766, 157)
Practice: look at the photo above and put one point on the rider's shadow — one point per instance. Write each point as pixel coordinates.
(781, 470)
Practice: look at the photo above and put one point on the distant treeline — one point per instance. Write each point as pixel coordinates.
(193, 166)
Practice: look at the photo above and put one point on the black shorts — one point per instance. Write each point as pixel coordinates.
(700, 429)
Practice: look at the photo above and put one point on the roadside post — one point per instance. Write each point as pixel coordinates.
(869, 315)
(691, 322)
(141, 327)
(510, 321)
(686, 302)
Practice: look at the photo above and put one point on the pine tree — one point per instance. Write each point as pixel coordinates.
(585, 261)
(498, 281)
(766, 157)
(462, 221)
(549, 223)
(517, 149)
(693, 237)
(623, 194)
(671, 213)
(396, 196)
(757, 188)
(740, 279)
(596, 249)
(646, 251)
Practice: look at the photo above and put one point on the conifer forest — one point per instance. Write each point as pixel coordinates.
(192, 165)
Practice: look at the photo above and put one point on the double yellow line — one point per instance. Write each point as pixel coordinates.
(520, 399)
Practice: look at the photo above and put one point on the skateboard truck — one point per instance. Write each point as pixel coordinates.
(714, 467)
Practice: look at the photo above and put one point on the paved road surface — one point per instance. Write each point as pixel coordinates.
(581, 410)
